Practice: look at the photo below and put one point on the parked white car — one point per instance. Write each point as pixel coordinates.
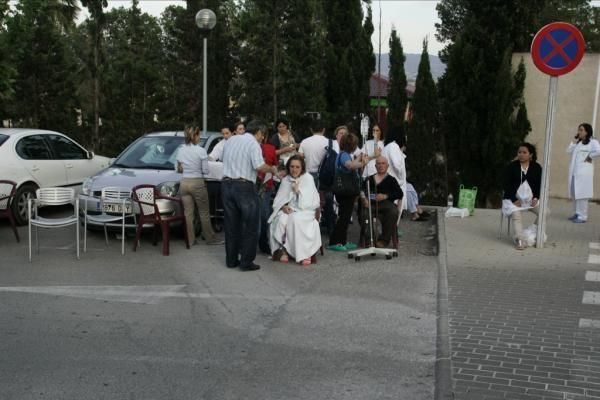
(35, 158)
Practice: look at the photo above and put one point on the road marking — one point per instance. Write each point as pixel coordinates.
(594, 245)
(591, 297)
(592, 276)
(589, 323)
(594, 259)
(129, 294)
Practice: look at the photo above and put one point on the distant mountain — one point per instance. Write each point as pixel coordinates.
(411, 66)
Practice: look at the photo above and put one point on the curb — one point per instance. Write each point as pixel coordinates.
(443, 362)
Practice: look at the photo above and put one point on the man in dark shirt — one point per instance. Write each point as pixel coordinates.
(384, 192)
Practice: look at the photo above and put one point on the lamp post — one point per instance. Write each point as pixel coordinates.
(206, 21)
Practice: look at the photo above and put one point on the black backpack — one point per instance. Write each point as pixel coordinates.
(327, 167)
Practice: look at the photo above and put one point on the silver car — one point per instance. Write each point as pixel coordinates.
(150, 160)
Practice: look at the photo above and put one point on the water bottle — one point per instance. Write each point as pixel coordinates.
(450, 201)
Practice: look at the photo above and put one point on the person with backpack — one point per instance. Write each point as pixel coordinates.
(326, 174)
(346, 165)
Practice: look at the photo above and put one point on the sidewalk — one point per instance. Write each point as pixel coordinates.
(518, 325)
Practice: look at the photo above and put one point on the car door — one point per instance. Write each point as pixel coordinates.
(74, 158)
(35, 155)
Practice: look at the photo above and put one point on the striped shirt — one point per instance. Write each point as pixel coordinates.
(241, 157)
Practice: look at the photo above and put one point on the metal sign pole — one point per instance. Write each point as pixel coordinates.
(547, 157)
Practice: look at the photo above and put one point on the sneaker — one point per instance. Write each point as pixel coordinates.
(573, 217)
(350, 246)
(337, 247)
(579, 220)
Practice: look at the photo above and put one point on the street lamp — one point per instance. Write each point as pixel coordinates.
(206, 21)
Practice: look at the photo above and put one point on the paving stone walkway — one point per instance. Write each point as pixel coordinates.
(524, 324)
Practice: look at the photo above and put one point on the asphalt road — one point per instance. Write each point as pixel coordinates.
(145, 326)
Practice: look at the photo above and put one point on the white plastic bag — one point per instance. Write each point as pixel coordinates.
(457, 212)
(530, 235)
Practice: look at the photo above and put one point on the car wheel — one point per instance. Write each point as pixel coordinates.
(19, 205)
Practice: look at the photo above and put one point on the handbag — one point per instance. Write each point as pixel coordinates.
(345, 184)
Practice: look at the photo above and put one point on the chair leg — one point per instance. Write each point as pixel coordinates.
(164, 227)
(138, 233)
(13, 225)
(29, 234)
(77, 234)
(105, 235)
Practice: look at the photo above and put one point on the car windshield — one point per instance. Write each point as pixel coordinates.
(3, 138)
(151, 152)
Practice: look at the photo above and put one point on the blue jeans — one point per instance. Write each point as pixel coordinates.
(241, 207)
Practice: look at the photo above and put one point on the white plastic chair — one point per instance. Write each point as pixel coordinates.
(54, 196)
(111, 200)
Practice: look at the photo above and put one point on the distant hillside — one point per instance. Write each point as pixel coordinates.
(411, 66)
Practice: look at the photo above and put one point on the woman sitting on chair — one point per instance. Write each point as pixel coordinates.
(522, 184)
(294, 229)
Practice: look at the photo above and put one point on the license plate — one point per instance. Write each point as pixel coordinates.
(116, 208)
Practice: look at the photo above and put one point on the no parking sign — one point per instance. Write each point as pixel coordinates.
(556, 50)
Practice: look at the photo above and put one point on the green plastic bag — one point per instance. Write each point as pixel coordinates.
(466, 198)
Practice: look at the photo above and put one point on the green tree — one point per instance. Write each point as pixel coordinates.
(37, 40)
(481, 98)
(131, 80)
(426, 161)
(96, 25)
(350, 59)
(7, 71)
(397, 98)
(291, 74)
(520, 20)
(183, 43)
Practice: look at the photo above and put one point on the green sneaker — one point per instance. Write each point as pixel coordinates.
(337, 247)
(350, 246)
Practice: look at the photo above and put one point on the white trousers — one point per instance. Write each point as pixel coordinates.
(580, 207)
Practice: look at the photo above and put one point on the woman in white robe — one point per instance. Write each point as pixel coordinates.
(394, 153)
(294, 229)
(581, 171)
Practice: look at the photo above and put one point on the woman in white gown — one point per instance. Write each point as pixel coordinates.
(583, 150)
(294, 229)
(393, 151)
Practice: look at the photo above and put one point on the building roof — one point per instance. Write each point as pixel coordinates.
(379, 86)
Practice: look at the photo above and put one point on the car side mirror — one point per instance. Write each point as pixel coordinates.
(90, 155)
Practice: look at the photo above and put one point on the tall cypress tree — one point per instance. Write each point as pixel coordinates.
(350, 59)
(425, 147)
(480, 99)
(397, 98)
(96, 25)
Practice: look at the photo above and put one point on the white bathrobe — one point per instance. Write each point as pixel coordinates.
(298, 232)
(397, 166)
(581, 173)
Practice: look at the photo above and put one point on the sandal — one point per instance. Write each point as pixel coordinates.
(284, 258)
(306, 262)
(519, 244)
